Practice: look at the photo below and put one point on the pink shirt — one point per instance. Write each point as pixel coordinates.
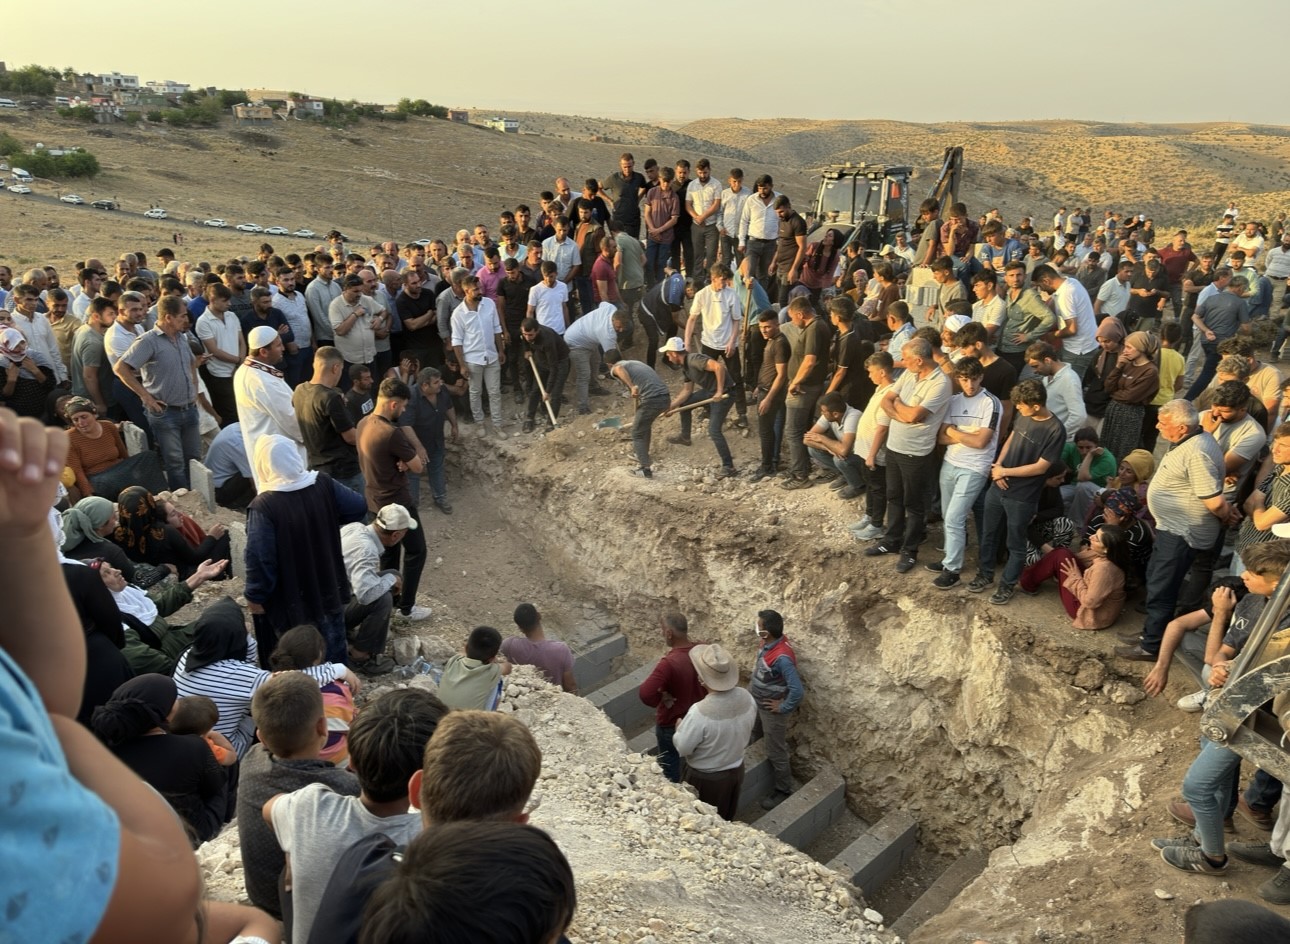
(550, 655)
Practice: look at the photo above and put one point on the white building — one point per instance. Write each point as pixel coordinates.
(167, 87)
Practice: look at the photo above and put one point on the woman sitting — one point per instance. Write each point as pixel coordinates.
(303, 648)
(1122, 509)
(1091, 581)
(87, 526)
(98, 458)
(134, 724)
(222, 665)
(143, 533)
(1135, 473)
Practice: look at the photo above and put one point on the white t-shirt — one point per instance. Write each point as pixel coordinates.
(1071, 303)
(720, 313)
(971, 414)
(872, 418)
(992, 313)
(314, 826)
(850, 424)
(548, 304)
(225, 334)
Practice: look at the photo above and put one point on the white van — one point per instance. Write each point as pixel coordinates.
(8, 103)
(62, 100)
(21, 176)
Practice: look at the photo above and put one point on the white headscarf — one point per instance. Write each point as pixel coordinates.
(56, 527)
(134, 601)
(279, 466)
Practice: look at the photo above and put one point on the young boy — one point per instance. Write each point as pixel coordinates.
(315, 824)
(478, 767)
(474, 680)
(198, 715)
(1207, 787)
(292, 727)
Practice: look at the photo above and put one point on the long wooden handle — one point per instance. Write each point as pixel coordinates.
(695, 406)
(537, 375)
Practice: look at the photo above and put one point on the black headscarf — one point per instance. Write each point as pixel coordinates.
(138, 520)
(219, 634)
(135, 708)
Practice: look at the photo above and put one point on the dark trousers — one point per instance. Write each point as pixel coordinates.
(412, 549)
(1171, 558)
(516, 370)
(1193, 594)
(554, 380)
(1207, 370)
(586, 298)
(643, 426)
(730, 254)
(668, 758)
(706, 241)
(1012, 518)
(132, 406)
(222, 397)
(875, 492)
(720, 788)
(736, 375)
(682, 246)
(800, 417)
(907, 500)
(655, 326)
(717, 412)
(235, 493)
(299, 367)
(760, 252)
(656, 259)
(368, 624)
(770, 427)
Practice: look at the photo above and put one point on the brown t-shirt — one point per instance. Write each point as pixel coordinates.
(381, 446)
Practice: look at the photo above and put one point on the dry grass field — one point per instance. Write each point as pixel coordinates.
(428, 177)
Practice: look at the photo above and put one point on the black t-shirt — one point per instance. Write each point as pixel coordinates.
(786, 247)
(359, 405)
(683, 221)
(323, 418)
(1033, 440)
(426, 338)
(626, 192)
(850, 351)
(599, 209)
(777, 352)
(381, 446)
(514, 297)
(810, 340)
(1145, 307)
(695, 371)
(663, 313)
(1000, 377)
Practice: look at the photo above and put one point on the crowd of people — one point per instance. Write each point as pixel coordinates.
(1094, 404)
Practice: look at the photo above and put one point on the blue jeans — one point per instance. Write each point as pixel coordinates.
(848, 467)
(299, 367)
(1005, 514)
(1207, 788)
(770, 429)
(716, 420)
(434, 472)
(1207, 370)
(959, 491)
(668, 758)
(354, 482)
(178, 432)
(1171, 558)
(586, 298)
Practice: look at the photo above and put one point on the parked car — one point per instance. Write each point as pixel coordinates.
(276, 231)
(156, 213)
(8, 103)
(217, 223)
(72, 199)
(422, 242)
(20, 188)
(305, 233)
(249, 228)
(106, 205)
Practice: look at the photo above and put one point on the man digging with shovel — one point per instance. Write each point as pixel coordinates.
(649, 397)
(704, 385)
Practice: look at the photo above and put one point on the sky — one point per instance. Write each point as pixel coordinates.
(1144, 60)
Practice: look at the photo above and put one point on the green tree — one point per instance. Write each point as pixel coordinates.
(80, 164)
(29, 80)
(189, 98)
(82, 113)
(230, 97)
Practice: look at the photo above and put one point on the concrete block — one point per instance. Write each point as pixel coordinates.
(879, 852)
(941, 892)
(644, 743)
(136, 440)
(237, 548)
(809, 811)
(202, 482)
(759, 777)
(595, 664)
(620, 699)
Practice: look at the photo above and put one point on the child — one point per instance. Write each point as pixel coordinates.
(315, 825)
(474, 680)
(1171, 366)
(289, 719)
(300, 648)
(197, 714)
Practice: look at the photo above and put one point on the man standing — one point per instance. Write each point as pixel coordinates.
(808, 366)
(221, 334)
(479, 344)
(90, 375)
(319, 294)
(1177, 258)
(549, 301)
(759, 230)
(546, 350)
(625, 187)
(1185, 497)
(595, 333)
(263, 397)
(790, 247)
(714, 732)
(514, 290)
(671, 689)
(917, 404)
(733, 199)
(1064, 396)
(1217, 318)
(772, 389)
(651, 398)
(552, 657)
(429, 407)
(295, 311)
(1114, 295)
(1278, 271)
(160, 369)
(325, 425)
(367, 615)
(777, 689)
(703, 204)
(128, 326)
(1077, 327)
(416, 308)
(355, 319)
(703, 379)
(717, 308)
(662, 214)
(587, 236)
(564, 252)
(386, 456)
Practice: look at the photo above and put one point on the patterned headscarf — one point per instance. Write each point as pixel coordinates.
(1123, 501)
(139, 521)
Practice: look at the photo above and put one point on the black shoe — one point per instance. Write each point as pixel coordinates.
(444, 506)
(774, 800)
(879, 549)
(1256, 853)
(1135, 654)
(642, 473)
(528, 426)
(838, 484)
(792, 483)
(850, 493)
(760, 473)
(946, 580)
(906, 563)
(935, 567)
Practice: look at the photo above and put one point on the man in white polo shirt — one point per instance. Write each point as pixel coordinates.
(718, 309)
(480, 346)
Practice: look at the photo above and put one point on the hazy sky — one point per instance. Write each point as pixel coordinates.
(809, 59)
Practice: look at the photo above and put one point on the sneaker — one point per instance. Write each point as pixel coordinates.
(1134, 654)
(878, 550)
(676, 439)
(906, 563)
(946, 580)
(774, 800)
(870, 533)
(980, 583)
(741, 422)
(850, 493)
(935, 567)
(375, 665)
(860, 525)
(1277, 888)
(726, 472)
(528, 426)
(584, 411)
(416, 614)
(443, 505)
(1263, 819)
(827, 475)
(795, 483)
(1194, 860)
(1176, 842)
(480, 432)
(1256, 853)
(1193, 702)
(759, 473)
(642, 473)
(838, 484)
(1003, 594)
